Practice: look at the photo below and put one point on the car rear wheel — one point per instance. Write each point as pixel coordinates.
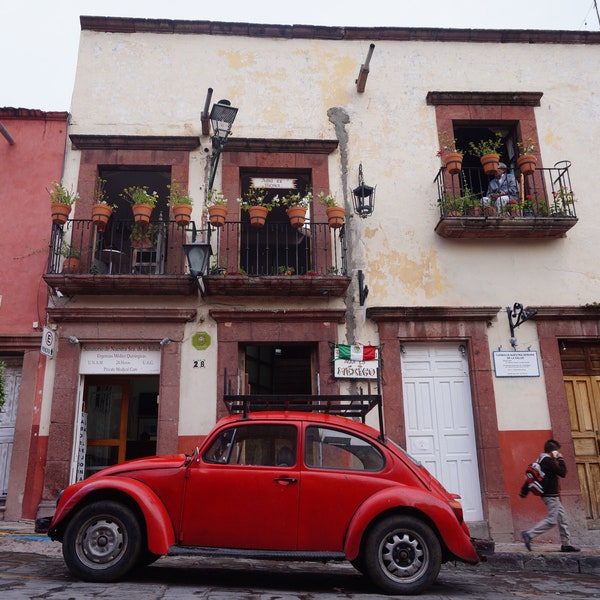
(402, 555)
(102, 542)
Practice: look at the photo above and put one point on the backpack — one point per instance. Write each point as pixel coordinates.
(534, 477)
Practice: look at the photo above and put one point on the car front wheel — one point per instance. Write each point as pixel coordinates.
(402, 555)
(102, 542)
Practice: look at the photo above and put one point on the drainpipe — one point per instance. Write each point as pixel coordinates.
(7, 135)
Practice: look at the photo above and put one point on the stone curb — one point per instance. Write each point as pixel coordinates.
(507, 557)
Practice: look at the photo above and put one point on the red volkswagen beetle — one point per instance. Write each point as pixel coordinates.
(269, 484)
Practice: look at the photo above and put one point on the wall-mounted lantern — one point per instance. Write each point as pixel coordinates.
(363, 196)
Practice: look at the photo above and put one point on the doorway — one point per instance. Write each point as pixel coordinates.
(278, 369)
(581, 375)
(8, 419)
(440, 430)
(119, 417)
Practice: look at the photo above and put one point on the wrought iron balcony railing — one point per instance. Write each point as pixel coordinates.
(544, 206)
(122, 249)
(278, 249)
(125, 258)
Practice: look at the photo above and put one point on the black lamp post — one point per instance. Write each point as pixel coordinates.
(222, 116)
(198, 256)
(363, 196)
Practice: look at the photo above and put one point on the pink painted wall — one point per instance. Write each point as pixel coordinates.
(27, 168)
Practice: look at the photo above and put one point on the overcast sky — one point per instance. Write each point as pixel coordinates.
(39, 38)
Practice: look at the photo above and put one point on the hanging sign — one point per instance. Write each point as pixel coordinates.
(120, 360)
(516, 364)
(355, 362)
(48, 342)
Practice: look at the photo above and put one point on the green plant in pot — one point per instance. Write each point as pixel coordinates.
(180, 202)
(488, 152)
(61, 201)
(449, 153)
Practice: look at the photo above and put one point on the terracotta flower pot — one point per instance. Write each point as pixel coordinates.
(60, 212)
(141, 213)
(526, 164)
(297, 216)
(490, 211)
(217, 215)
(453, 162)
(100, 215)
(490, 163)
(258, 215)
(182, 214)
(335, 216)
(71, 265)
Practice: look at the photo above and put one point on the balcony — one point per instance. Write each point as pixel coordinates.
(276, 260)
(545, 208)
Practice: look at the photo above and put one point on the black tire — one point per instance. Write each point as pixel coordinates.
(102, 542)
(402, 555)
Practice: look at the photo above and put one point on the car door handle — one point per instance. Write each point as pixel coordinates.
(285, 480)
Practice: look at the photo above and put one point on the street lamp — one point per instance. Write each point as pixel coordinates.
(363, 196)
(198, 255)
(222, 116)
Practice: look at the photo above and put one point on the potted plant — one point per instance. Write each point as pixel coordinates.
(142, 201)
(256, 203)
(216, 206)
(471, 204)
(488, 152)
(181, 204)
(561, 200)
(71, 256)
(335, 214)
(61, 201)
(296, 205)
(143, 235)
(448, 152)
(452, 205)
(526, 160)
(286, 270)
(514, 208)
(101, 209)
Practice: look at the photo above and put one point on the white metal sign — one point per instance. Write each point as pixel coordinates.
(273, 183)
(48, 342)
(114, 360)
(516, 364)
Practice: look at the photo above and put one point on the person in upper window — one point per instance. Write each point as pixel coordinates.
(502, 188)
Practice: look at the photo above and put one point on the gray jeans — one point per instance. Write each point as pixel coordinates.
(556, 515)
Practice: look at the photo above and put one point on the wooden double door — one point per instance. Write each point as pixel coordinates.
(581, 368)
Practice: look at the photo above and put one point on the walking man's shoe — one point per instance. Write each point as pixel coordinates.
(567, 548)
(527, 540)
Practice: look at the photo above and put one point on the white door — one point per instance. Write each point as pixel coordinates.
(439, 419)
(8, 419)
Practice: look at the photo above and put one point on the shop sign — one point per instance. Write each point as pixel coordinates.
(516, 364)
(120, 360)
(355, 361)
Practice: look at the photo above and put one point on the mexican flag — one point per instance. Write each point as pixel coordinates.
(357, 352)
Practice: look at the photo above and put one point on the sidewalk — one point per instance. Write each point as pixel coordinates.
(20, 537)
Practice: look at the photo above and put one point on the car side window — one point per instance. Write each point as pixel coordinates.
(328, 448)
(255, 444)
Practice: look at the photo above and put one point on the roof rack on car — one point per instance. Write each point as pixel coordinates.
(356, 406)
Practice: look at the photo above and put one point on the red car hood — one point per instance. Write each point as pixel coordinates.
(142, 464)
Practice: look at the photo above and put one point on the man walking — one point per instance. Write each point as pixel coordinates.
(553, 465)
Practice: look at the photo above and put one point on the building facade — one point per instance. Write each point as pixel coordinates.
(32, 148)
(487, 324)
